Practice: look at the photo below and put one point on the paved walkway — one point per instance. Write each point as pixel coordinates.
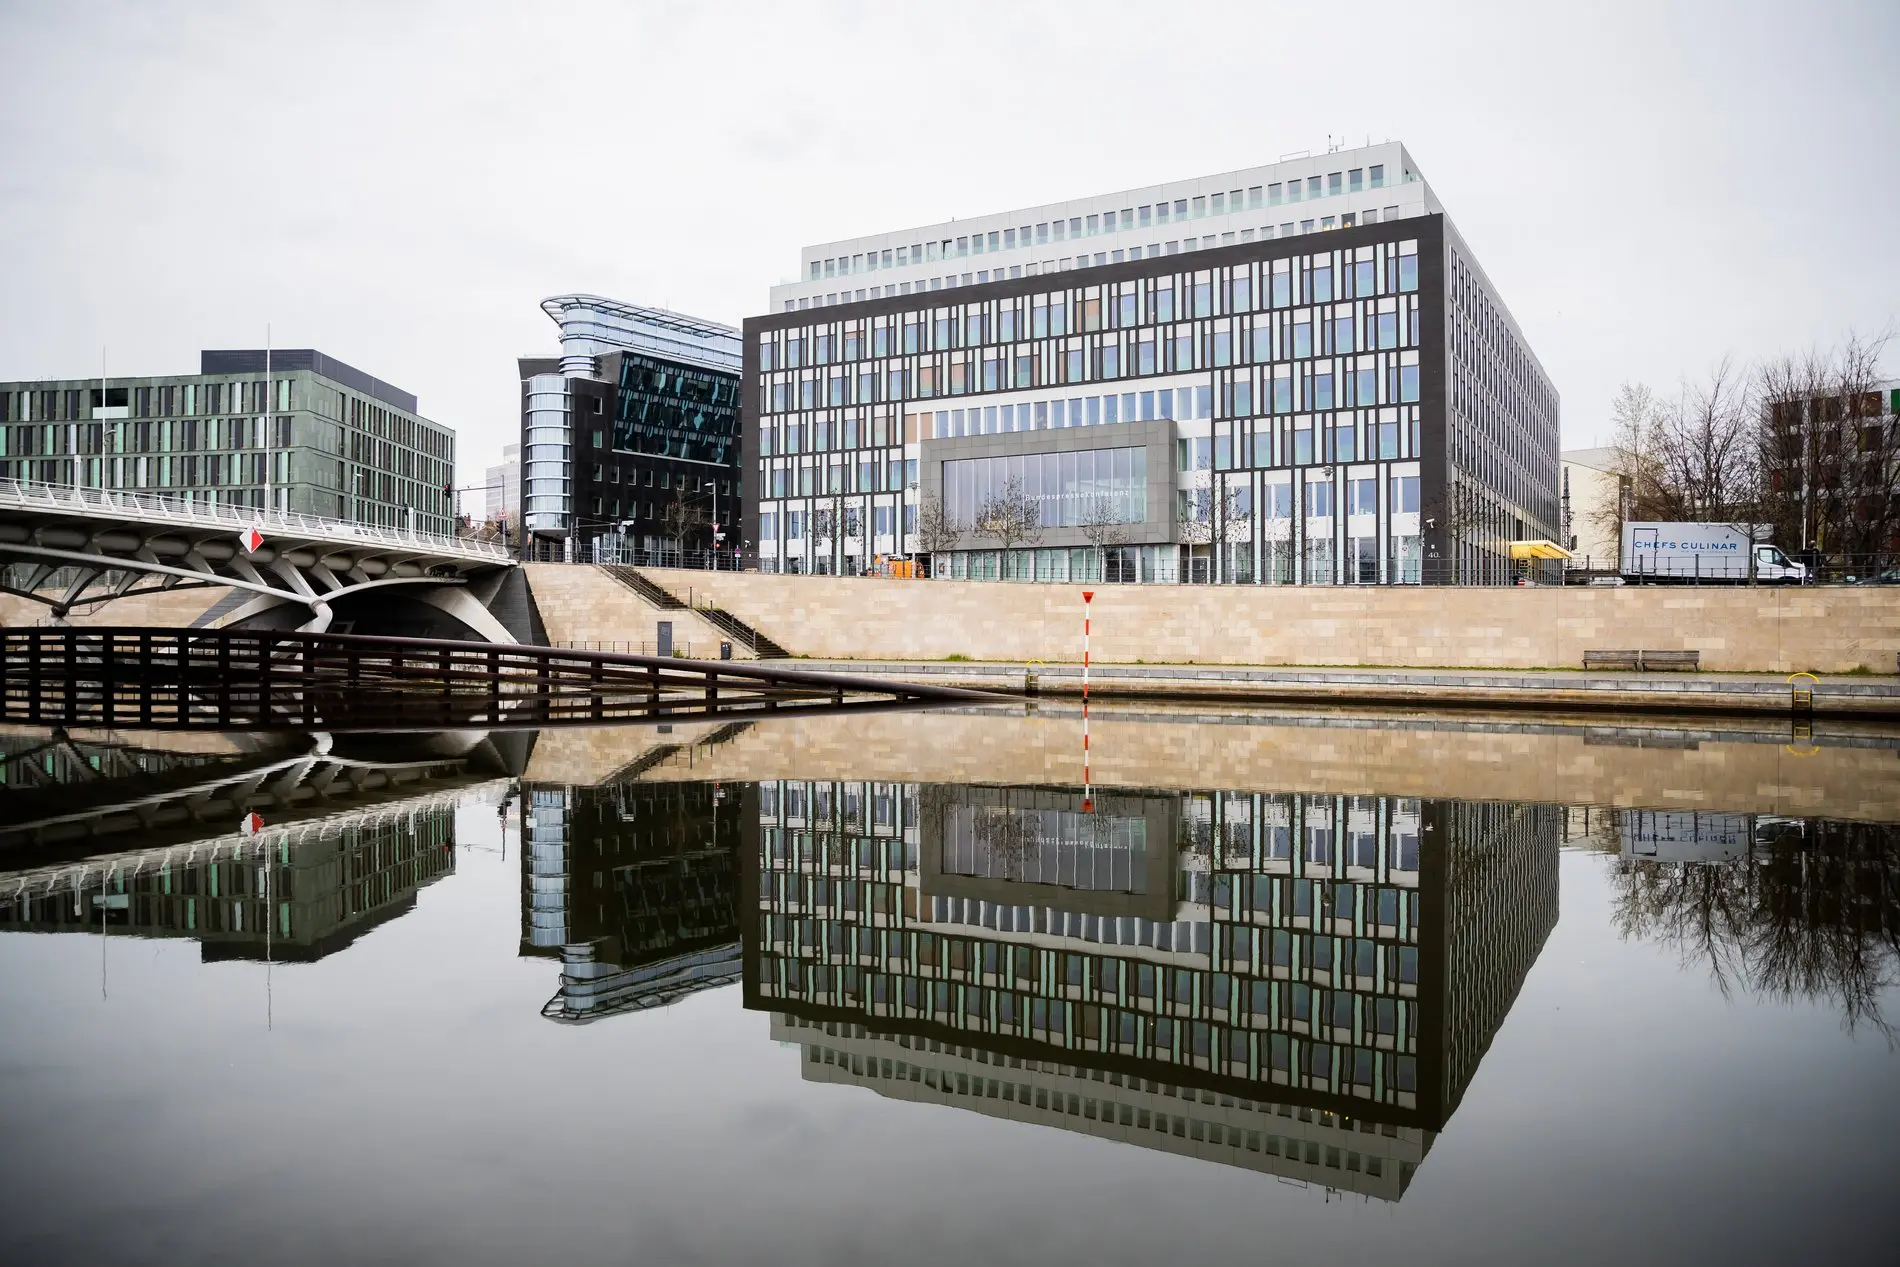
(1552, 688)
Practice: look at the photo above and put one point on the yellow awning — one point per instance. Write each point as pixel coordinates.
(1538, 550)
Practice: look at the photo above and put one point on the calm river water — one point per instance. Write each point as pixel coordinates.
(903, 988)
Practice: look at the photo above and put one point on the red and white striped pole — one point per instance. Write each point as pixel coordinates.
(1088, 798)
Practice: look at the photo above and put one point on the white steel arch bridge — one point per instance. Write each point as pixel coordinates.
(106, 545)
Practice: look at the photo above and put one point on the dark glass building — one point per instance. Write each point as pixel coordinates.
(630, 438)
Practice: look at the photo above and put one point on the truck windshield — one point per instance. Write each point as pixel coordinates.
(1772, 554)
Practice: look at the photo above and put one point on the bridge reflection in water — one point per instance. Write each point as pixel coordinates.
(106, 836)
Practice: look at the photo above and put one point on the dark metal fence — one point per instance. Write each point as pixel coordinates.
(1822, 569)
(233, 678)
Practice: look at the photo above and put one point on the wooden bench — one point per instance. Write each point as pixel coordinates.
(1631, 661)
(1672, 661)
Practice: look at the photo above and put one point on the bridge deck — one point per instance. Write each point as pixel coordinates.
(32, 499)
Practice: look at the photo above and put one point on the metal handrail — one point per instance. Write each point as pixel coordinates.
(167, 508)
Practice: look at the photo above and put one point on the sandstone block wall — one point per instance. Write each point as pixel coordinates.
(1830, 629)
(1573, 765)
(172, 609)
(582, 604)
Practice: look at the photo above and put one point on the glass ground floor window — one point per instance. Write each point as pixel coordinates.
(1353, 523)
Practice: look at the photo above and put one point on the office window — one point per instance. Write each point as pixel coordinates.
(1335, 184)
(1180, 208)
(1200, 207)
(1377, 172)
(1075, 226)
(1042, 233)
(1093, 222)
(1313, 189)
(1144, 216)
(1355, 179)
(1253, 197)
(815, 266)
(1219, 205)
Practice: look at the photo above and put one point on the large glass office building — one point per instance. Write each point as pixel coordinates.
(290, 428)
(1289, 374)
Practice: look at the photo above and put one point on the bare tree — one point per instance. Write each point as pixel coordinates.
(1829, 451)
(937, 529)
(1010, 517)
(1211, 512)
(1809, 911)
(1105, 526)
(1636, 420)
(1471, 519)
(1690, 458)
(682, 521)
(1707, 455)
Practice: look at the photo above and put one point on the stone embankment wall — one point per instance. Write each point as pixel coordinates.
(1828, 629)
(172, 609)
(1583, 764)
(581, 604)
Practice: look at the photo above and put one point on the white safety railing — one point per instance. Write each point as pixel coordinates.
(170, 509)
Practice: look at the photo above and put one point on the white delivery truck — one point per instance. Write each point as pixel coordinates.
(1704, 554)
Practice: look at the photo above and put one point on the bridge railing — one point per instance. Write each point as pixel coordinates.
(234, 677)
(169, 508)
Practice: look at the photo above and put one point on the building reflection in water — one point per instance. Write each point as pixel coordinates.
(1301, 985)
(634, 888)
(296, 894)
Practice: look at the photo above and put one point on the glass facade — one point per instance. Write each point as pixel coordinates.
(1310, 384)
(1351, 952)
(630, 439)
(322, 446)
(1066, 487)
(666, 410)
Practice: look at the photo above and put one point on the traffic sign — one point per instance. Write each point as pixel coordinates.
(251, 539)
(253, 822)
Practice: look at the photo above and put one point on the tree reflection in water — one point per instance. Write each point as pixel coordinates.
(1811, 911)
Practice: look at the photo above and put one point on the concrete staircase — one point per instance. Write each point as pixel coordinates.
(718, 617)
(646, 589)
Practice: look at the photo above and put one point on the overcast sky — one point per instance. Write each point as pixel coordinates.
(1650, 185)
